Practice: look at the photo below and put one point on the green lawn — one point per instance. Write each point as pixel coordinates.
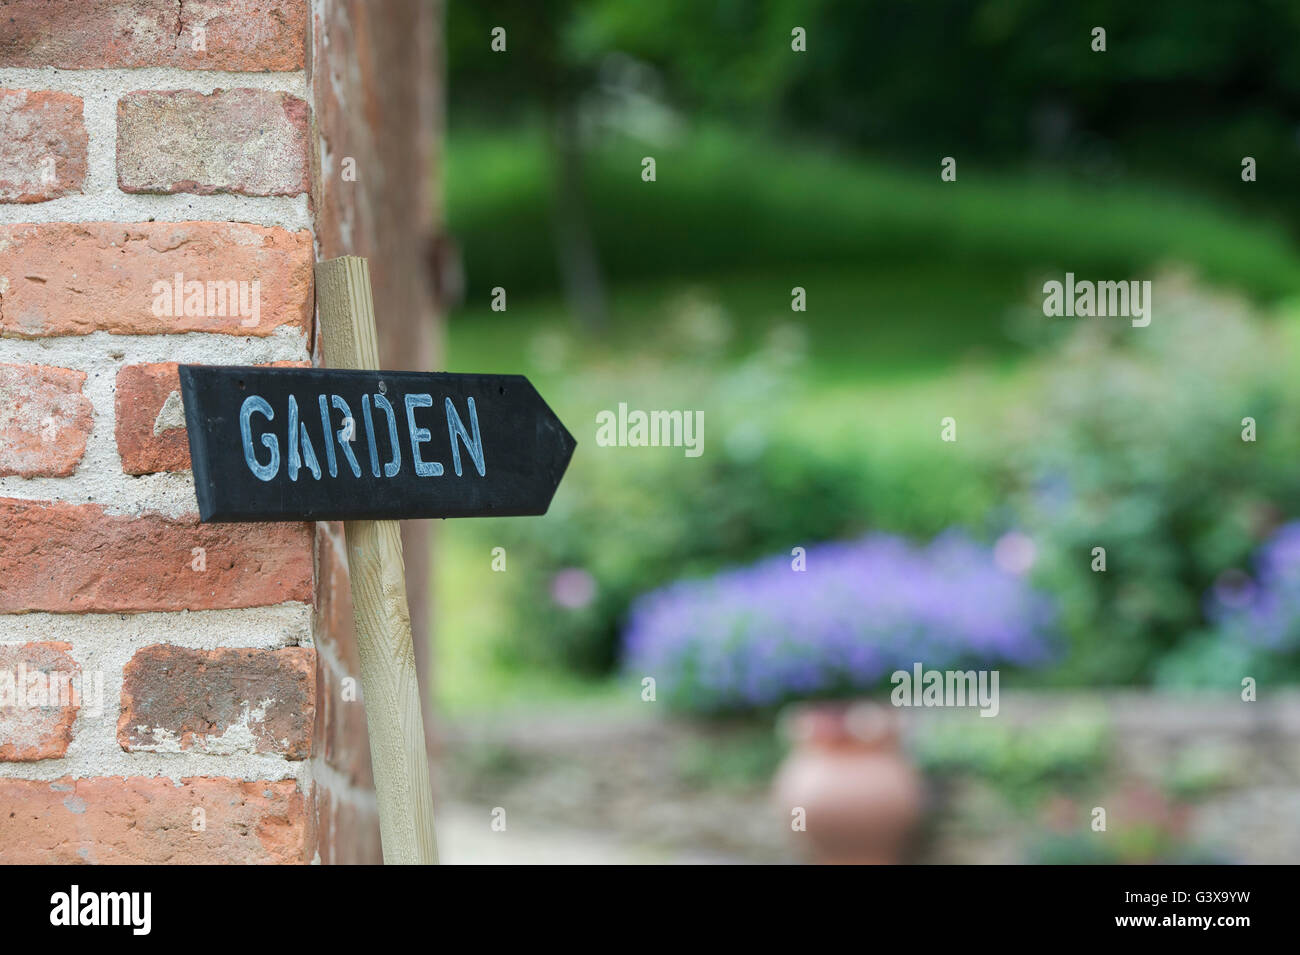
(872, 323)
(726, 202)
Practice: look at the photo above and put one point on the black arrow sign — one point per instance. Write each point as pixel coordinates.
(317, 444)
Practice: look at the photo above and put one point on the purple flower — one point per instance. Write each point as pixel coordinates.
(760, 635)
(1265, 612)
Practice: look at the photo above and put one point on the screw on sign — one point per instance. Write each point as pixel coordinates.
(370, 447)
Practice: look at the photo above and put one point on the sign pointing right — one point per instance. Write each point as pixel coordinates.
(320, 444)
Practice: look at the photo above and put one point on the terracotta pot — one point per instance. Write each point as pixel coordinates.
(861, 797)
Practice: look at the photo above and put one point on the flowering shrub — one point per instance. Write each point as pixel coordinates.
(627, 521)
(757, 636)
(1265, 613)
(1134, 443)
(1255, 622)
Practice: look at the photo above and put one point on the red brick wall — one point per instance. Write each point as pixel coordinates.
(216, 716)
(376, 92)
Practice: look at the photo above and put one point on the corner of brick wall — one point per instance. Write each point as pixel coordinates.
(169, 691)
(377, 99)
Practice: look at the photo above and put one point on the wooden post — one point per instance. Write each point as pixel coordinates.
(388, 674)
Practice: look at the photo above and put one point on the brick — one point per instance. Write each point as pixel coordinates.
(150, 419)
(335, 626)
(75, 558)
(37, 713)
(238, 35)
(44, 420)
(152, 821)
(77, 278)
(219, 701)
(42, 145)
(243, 141)
(342, 738)
(348, 833)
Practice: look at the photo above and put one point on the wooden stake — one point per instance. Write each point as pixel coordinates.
(388, 676)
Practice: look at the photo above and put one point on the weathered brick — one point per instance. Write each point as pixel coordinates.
(75, 558)
(237, 35)
(44, 420)
(245, 141)
(348, 833)
(77, 278)
(218, 701)
(335, 623)
(153, 821)
(37, 712)
(341, 736)
(42, 145)
(342, 739)
(150, 419)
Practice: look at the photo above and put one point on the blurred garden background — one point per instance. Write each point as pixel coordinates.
(776, 169)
